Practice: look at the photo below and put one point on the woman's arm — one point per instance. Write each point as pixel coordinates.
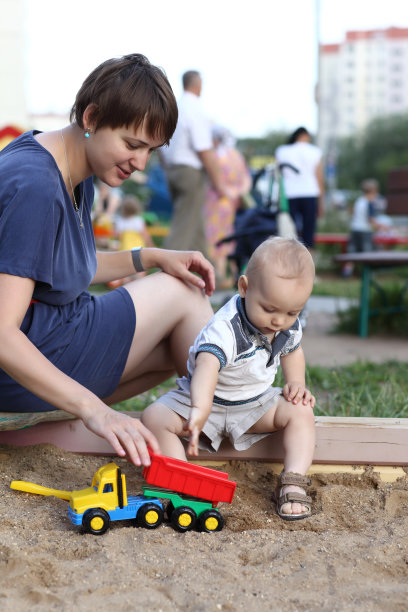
(28, 366)
(182, 264)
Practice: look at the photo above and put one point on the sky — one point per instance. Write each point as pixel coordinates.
(258, 58)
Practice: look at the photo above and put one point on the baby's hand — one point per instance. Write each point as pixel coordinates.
(296, 392)
(194, 425)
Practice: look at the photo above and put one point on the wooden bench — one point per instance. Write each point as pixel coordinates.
(372, 262)
(342, 240)
(339, 442)
(160, 231)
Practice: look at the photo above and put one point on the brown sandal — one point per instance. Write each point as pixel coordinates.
(291, 478)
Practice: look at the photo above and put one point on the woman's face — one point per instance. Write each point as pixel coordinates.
(114, 154)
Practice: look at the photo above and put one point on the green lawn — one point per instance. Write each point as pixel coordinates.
(357, 390)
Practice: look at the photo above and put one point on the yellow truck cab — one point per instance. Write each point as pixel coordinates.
(103, 492)
(106, 500)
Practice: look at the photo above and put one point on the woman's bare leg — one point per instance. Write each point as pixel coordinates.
(169, 315)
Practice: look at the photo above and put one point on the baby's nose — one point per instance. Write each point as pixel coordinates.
(277, 320)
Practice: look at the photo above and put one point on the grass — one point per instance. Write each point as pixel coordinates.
(337, 287)
(358, 390)
(361, 390)
(393, 295)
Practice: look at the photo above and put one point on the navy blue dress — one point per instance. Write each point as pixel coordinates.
(86, 337)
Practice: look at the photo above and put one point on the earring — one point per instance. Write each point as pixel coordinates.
(87, 134)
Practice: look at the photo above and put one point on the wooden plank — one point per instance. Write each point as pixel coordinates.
(360, 441)
(387, 473)
(376, 259)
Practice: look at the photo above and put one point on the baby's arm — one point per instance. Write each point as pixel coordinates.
(203, 383)
(293, 368)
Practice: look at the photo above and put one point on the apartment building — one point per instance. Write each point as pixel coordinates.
(361, 78)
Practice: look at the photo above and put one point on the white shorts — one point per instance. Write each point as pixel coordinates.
(225, 421)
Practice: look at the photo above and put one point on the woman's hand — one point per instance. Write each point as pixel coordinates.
(185, 265)
(127, 436)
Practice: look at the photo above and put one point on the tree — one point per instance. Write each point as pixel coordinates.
(372, 154)
(265, 146)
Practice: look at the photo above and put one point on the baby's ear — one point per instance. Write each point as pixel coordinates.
(242, 285)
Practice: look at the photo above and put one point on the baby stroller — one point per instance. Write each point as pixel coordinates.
(253, 226)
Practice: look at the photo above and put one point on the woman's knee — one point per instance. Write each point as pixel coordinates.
(160, 291)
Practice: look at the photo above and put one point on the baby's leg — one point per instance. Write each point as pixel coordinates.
(167, 426)
(298, 425)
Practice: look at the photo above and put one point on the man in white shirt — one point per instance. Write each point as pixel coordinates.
(189, 155)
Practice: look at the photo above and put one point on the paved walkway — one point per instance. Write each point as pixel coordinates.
(324, 348)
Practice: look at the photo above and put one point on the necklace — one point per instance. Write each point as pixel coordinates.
(78, 209)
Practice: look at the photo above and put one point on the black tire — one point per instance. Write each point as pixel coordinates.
(149, 516)
(183, 518)
(96, 521)
(210, 521)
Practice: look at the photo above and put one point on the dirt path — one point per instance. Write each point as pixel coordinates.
(326, 349)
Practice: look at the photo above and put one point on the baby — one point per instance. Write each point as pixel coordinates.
(232, 366)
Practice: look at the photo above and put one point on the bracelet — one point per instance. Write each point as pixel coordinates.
(137, 262)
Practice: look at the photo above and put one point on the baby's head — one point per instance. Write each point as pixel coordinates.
(277, 283)
(130, 206)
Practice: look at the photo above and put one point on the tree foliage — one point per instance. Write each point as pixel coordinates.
(380, 148)
(265, 146)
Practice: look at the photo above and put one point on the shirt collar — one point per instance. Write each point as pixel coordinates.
(280, 339)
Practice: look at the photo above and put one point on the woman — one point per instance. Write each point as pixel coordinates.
(304, 184)
(60, 347)
(220, 210)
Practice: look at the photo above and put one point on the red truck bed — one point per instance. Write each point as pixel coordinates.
(194, 480)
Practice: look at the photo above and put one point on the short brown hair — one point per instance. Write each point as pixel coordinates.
(128, 91)
(189, 78)
(130, 205)
(370, 185)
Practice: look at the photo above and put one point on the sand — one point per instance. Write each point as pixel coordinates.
(350, 555)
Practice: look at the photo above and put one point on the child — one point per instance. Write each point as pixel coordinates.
(130, 226)
(131, 231)
(363, 221)
(232, 365)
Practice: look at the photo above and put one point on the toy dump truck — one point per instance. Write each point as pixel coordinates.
(191, 494)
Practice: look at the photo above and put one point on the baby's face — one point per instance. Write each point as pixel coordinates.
(274, 305)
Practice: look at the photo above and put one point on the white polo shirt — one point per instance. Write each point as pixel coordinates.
(192, 134)
(248, 361)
